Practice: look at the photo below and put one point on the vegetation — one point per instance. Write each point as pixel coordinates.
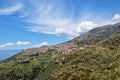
(89, 64)
(112, 40)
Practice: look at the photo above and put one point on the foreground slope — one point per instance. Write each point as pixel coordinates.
(94, 55)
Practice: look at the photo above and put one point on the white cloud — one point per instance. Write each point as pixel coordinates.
(85, 26)
(54, 26)
(6, 45)
(19, 43)
(116, 17)
(11, 9)
(69, 28)
(23, 43)
(41, 44)
(60, 31)
(66, 31)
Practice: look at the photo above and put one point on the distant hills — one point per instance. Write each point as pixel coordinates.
(4, 54)
(94, 55)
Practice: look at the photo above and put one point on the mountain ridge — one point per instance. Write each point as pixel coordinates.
(98, 33)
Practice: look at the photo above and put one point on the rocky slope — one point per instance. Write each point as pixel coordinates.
(97, 34)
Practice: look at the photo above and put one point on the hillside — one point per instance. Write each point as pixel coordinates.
(112, 40)
(97, 34)
(94, 55)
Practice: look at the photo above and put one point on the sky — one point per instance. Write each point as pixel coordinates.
(35, 23)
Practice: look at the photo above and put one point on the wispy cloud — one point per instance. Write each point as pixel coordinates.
(23, 43)
(56, 26)
(63, 27)
(6, 45)
(41, 44)
(50, 18)
(11, 9)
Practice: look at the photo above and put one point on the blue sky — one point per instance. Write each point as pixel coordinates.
(34, 23)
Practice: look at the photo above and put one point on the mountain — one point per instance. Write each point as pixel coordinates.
(95, 35)
(94, 55)
(4, 54)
